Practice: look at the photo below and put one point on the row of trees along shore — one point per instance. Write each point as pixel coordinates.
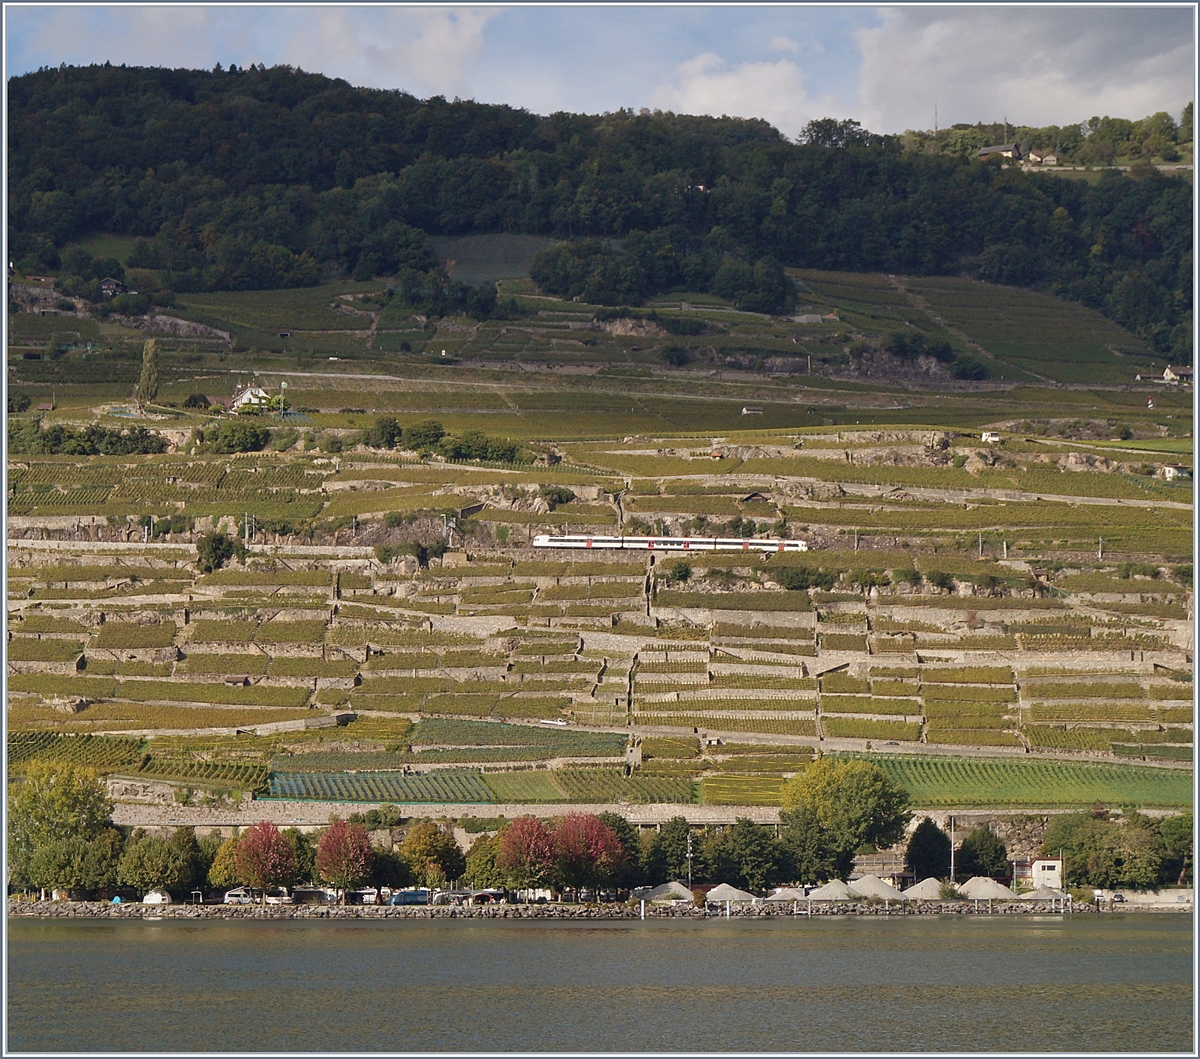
(61, 836)
(260, 179)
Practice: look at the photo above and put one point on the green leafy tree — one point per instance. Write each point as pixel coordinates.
(214, 550)
(304, 853)
(982, 853)
(482, 871)
(432, 854)
(854, 802)
(809, 854)
(1104, 853)
(151, 370)
(928, 853)
(77, 863)
(746, 855)
(149, 862)
(56, 800)
(665, 857)
(630, 872)
(1176, 840)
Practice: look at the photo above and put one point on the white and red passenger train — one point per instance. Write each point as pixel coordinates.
(671, 544)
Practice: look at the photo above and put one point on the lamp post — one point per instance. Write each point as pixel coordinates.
(689, 859)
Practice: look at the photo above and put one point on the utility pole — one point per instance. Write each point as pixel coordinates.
(981, 544)
(689, 859)
(951, 850)
(1100, 549)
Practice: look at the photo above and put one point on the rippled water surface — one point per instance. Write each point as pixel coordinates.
(1027, 983)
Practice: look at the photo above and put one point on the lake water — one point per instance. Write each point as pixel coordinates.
(960, 983)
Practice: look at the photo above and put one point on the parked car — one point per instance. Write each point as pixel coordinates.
(278, 895)
(240, 895)
(409, 897)
(1118, 899)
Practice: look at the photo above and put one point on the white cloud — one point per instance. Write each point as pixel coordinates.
(422, 50)
(770, 90)
(784, 44)
(1037, 66)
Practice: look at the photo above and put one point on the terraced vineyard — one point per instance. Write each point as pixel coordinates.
(953, 597)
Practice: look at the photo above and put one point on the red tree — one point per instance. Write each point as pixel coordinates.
(586, 851)
(344, 855)
(264, 857)
(526, 852)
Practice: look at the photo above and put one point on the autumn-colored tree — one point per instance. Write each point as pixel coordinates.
(586, 852)
(344, 855)
(264, 857)
(432, 854)
(526, 853)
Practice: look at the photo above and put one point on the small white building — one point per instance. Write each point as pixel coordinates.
(1173, 373)
(749, 410)
(1176, 471)
(991, 437)
(157, 897)
(1047, 871)
(250, 397)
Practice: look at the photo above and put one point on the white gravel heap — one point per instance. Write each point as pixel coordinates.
(926, 890)
(724, 892)
(874, 886)
(833, 891)
(981, 888)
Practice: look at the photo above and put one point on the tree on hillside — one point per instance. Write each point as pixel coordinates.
(344, 855)
(263, 857)
(854, 802)
(982, 853)
(526, 853)
(55, 801)
(147, 389)
(665, 856)
(928, 853)
(586, 852)
(214, 550)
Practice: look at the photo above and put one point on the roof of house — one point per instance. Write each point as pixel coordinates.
(999, 148)
(1182, 370)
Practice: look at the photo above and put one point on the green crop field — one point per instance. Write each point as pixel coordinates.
(451, 785)
(1033, 783)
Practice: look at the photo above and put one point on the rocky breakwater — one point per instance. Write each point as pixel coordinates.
(130, 910)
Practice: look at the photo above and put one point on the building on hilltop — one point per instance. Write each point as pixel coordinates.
(1172, 373)
(1004, 150)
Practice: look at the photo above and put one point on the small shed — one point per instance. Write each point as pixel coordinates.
(1176, 471)
(238, 680)
(751, 410)
(46, 406)
(157, 897)
(724, 892)
(833, 891)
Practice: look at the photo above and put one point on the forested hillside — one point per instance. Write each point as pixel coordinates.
(256, 178)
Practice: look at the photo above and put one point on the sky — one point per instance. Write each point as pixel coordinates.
(888, 68)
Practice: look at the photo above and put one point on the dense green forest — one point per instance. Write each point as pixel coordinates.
(256, 178)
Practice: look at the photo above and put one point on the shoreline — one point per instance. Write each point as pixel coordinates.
(104, 910)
